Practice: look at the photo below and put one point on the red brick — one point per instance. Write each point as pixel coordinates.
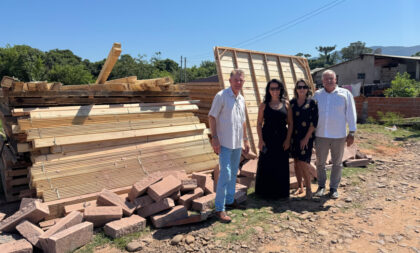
(108, 198)
(250, 155)
(25, 201)
(164, 188)
(241, 187)
(100, 215)
(30, 232)
(70, 238)
(175, 196)
(176, 213)
(19, 246)
(70, 220)
(142, 201)
(201, 179)
(247, 181)
(190, 219)
(156, 207)
(48, 223)
(125, 226)
(186, 200)
(33, 212)
(204, 203)
(141, 186)
(188, 184)
(209, 185)
(249, 169)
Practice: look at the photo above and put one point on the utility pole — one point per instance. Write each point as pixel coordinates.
(180, 71)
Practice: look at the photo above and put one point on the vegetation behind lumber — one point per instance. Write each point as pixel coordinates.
(31, 64)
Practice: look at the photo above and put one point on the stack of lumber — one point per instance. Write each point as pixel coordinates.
(259, 68)
(78, 150)
(122, 90)
(205, 92)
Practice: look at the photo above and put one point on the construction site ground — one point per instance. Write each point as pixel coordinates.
(377, 211)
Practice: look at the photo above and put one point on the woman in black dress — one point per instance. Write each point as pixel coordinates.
(274, 129)
(305, 120)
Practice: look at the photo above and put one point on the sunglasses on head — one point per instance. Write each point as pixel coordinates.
(275, 88)
(302, 87)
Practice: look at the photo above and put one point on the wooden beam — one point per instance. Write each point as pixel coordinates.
(109, 63)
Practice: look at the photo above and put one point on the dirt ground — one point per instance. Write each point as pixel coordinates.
(378, 211)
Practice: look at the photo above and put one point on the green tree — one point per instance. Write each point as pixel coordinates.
(327, 55)
(23, 62)
(403, 86)
(416, 54)
(61, 57)
(354, 50)
(70, 74)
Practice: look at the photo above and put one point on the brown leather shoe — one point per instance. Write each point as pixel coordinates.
(223, 217)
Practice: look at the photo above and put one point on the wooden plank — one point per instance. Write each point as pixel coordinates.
(56, 141)
(109, 63)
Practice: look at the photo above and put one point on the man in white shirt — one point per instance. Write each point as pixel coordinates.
(336, 110)
(228, 129)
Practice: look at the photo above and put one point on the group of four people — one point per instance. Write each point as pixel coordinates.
(284, 128)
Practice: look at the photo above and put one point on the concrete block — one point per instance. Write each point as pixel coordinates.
(19, 246)
(176, 213)
(142, 201)
(70, 220)
(164, 188)
(204, 203)
(33, 212)
(188, 185)
(241, 187)
(186, 200)
(249, 169)
(30, 232)
(125, 226)
(70, 238)
(141, 186)
(100, 215)
(156, 207)
(108, 198)
(48, 223)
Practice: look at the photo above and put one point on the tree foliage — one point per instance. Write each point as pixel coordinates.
(70, 74)
(30, 64)
(403, 86)
(416, 54)
(354, 50)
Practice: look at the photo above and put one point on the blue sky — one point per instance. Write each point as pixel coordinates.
(192, 28)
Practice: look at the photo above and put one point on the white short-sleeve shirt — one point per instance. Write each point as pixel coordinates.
(229, 112)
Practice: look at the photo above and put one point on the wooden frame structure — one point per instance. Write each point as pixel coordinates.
(259, 68)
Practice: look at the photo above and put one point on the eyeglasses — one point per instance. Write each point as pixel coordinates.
(302, 87)
(274, 89)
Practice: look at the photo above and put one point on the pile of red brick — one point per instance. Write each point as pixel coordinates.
(166, 199)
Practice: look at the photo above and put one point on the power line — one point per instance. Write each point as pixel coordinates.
(282, 27)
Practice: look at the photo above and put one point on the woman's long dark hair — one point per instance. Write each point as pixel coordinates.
(282, 95)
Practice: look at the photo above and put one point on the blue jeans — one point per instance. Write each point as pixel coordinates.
(229, 163)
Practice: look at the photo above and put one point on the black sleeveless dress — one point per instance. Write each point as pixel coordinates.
(273, 180)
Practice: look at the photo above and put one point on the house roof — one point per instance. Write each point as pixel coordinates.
(316, 70)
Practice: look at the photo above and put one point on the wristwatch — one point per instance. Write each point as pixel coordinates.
(351, 133)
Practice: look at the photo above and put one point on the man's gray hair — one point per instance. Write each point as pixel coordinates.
(329, 71)
(237, 71)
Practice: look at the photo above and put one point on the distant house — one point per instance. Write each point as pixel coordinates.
(373, 71)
